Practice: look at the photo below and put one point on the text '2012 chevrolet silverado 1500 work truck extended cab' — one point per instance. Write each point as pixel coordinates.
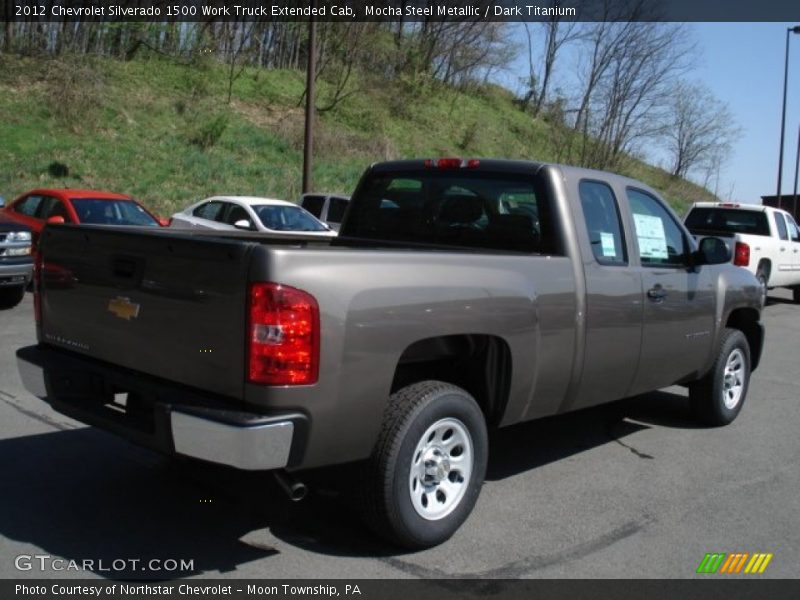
(461, 295)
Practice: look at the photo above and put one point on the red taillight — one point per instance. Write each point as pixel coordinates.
(741, 255)
(37, 288)
(451, 163)
(283, 335)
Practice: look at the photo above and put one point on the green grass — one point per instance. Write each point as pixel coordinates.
(145, 128)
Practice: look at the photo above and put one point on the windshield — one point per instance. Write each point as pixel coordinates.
(287, 218)
(727, 220)
(96, 211)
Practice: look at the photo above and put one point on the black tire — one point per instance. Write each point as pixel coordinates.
(11, 296)
(763, 278)
(387, 483)
(707, 396)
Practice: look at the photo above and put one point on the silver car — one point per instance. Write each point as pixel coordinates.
(250, 213)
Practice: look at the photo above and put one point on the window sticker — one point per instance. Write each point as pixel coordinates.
(609, 248)
(652, 240)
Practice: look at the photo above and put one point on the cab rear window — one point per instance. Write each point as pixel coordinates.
(498, 211)
(727, 220)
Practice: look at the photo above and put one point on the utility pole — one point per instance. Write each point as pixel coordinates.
(308, 144)
(789, 31)
(796, 169)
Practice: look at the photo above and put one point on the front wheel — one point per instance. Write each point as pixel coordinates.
(427, 468)
(717, 398)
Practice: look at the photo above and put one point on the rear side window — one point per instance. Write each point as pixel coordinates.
(209, 210)
(336, 210)
(661, 240)
(28, 206)
(794, 233)
(781, 225)
(497, 211)
(314, 204)
(727, 220)
(603, 223)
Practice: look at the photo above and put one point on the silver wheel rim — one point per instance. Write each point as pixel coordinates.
(733, 379)
(441, 467)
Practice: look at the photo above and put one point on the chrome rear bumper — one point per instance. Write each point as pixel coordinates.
(216, 434)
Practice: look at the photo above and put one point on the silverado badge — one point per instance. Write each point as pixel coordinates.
(123, 308)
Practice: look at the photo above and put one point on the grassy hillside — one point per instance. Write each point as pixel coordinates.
(165, 133)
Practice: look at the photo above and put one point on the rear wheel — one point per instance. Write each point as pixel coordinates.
(717, 398)
(11, 296)
(428, 465)
(763, 278)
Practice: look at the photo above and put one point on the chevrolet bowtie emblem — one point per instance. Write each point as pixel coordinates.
(123, 308)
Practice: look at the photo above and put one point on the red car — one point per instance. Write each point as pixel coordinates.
(41, 206)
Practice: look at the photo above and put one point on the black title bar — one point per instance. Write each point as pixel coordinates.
(408, 10)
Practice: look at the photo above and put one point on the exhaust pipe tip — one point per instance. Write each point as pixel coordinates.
(295, 490)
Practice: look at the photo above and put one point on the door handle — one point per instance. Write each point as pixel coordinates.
(657, 293)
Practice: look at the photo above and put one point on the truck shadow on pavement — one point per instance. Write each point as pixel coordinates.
(83, 495)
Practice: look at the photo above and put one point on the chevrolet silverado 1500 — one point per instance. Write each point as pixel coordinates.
(462, 295)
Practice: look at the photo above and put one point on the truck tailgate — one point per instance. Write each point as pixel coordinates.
(164, 304)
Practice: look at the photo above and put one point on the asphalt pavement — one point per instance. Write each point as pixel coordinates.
(633, 489)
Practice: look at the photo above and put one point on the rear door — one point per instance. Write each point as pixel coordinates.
(679, 303)
(157, 302)
(205, 216)
(794, 239)
(24, 210)
(782, 270)
(613, 299)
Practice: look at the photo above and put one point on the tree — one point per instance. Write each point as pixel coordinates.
(556, 34)
(700, 130)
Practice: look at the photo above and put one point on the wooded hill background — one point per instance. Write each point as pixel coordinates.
(174, 112)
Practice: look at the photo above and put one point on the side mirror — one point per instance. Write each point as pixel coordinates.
(2, 202)
(57, 220)
(712, 251)
(244, 224)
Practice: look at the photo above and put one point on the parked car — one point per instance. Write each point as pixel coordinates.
(41, 206)
(762, 239)
(16, 262)
(329, 208)
(228, 213)
(433, 318)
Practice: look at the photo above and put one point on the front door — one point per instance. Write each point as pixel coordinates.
(679, 303)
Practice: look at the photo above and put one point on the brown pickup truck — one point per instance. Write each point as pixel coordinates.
(461, 295)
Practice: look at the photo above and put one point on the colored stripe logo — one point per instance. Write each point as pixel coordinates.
(734, 563)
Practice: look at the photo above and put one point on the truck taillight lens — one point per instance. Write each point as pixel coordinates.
(741, 254)
(452, 163)
(37, 288)
(283, 335)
